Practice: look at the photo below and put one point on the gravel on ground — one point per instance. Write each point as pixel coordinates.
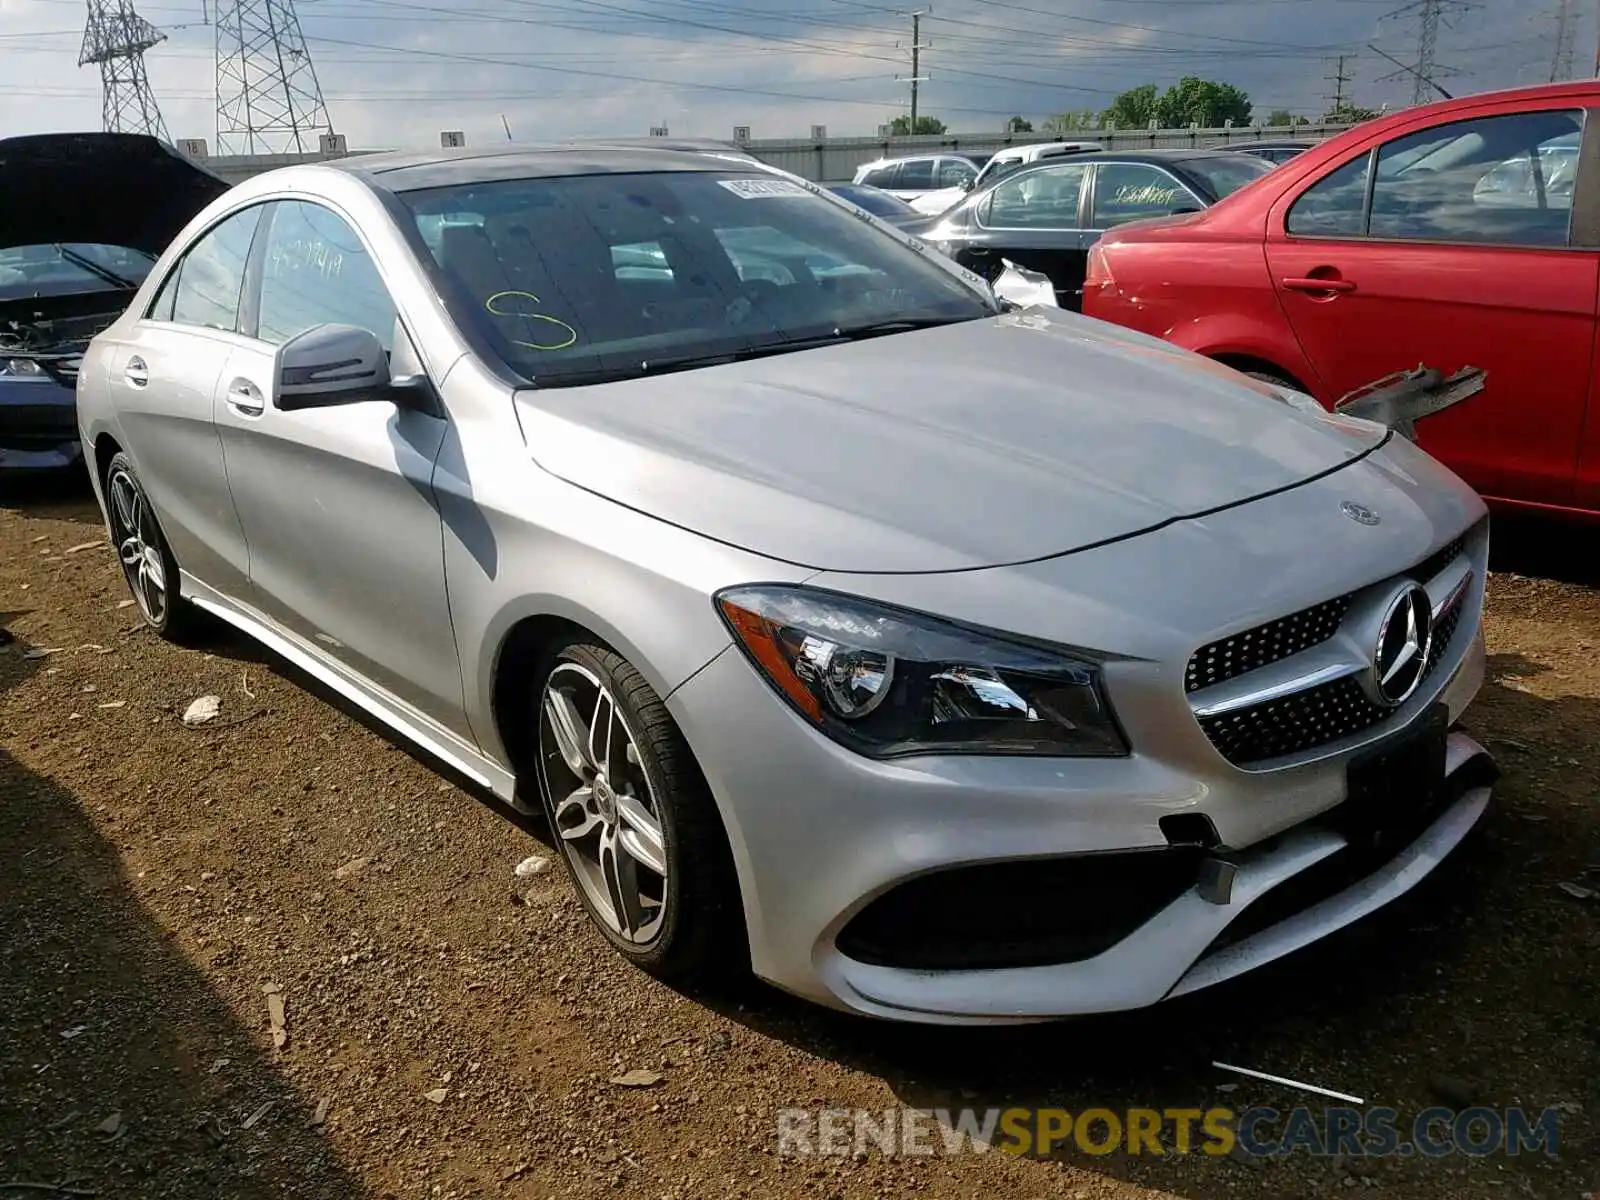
(273, 954)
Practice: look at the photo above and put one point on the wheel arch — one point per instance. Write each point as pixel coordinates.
(524, 633)
(521, 650)
(1252, 364)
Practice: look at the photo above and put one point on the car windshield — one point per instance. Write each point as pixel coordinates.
(876, 201)
(1227, 173)
(581, 279)
(70, 268)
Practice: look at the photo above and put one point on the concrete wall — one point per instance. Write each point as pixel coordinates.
(835, 160)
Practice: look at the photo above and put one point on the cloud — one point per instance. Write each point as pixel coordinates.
(396, 72)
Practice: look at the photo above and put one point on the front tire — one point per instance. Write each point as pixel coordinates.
(147, 562)
(641, 836)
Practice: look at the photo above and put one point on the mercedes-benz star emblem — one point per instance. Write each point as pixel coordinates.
(1404, 639)
(1359, 513)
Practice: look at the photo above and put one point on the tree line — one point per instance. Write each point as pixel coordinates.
(1191, 101)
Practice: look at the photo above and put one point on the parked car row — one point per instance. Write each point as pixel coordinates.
(832, 610)
(1457, 234)
(1045, 217)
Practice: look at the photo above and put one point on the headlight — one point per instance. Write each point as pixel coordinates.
(21, 368)
(886, 682)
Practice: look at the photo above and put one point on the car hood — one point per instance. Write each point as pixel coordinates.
(116, 189)
(1004, 440)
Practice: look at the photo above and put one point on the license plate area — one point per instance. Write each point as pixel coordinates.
(1394, 791)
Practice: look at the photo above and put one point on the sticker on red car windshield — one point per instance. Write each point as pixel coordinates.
(762, 189)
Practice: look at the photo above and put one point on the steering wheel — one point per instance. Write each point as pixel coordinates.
(753, 295)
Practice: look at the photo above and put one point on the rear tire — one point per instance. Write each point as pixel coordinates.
(147, 563)
(634, 818)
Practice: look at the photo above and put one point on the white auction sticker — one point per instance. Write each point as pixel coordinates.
(761, 189)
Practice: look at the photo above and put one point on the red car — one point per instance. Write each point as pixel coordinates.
(1464, 233)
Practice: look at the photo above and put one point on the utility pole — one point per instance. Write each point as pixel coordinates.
(916, 62)
(1339, 78)
(1561, 59)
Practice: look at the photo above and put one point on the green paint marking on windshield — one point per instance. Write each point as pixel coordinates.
(496, 299)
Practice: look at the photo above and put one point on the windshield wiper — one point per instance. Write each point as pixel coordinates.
(686, 362)
(851, 333)
(94, 268)
(690, 362)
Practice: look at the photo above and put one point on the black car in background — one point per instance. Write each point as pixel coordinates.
(83, 218)
(1045, 217)
(879, 203)
(1277, 152)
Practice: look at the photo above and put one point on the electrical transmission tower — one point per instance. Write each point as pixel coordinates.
(268, 98)
(115, 38)
(1429, 14)
(1561, 60)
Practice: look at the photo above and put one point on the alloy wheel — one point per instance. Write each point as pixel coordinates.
(138, 546)
(603, 805)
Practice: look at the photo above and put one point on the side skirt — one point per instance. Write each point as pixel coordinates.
(420, 730)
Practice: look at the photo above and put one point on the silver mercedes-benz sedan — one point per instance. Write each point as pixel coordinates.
(933, 658)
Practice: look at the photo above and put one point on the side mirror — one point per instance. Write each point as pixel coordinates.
(332, 365)
(968, 184)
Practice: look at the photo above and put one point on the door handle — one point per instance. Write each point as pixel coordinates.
(245, 399)
(137, 373)
(1313, 284)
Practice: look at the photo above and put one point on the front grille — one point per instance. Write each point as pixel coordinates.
(1444, 633)
(1294, 724)
(1265, 644)
(1434, 563)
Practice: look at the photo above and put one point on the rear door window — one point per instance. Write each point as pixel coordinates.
(1046, 198)
(916, 175)
(955, 172)
(212, 274)
(1133, 191)
(1334, 206)
(882, 177)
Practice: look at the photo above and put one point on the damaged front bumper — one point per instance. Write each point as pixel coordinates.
(38, 425)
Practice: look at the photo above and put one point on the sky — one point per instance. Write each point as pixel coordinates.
(394, 73)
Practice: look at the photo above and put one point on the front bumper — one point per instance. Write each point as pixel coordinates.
(38, 426)
(819, 833)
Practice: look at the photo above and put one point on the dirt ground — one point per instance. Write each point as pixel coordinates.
(453, 1031)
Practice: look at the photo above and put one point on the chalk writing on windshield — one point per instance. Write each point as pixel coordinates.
(520, 304)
